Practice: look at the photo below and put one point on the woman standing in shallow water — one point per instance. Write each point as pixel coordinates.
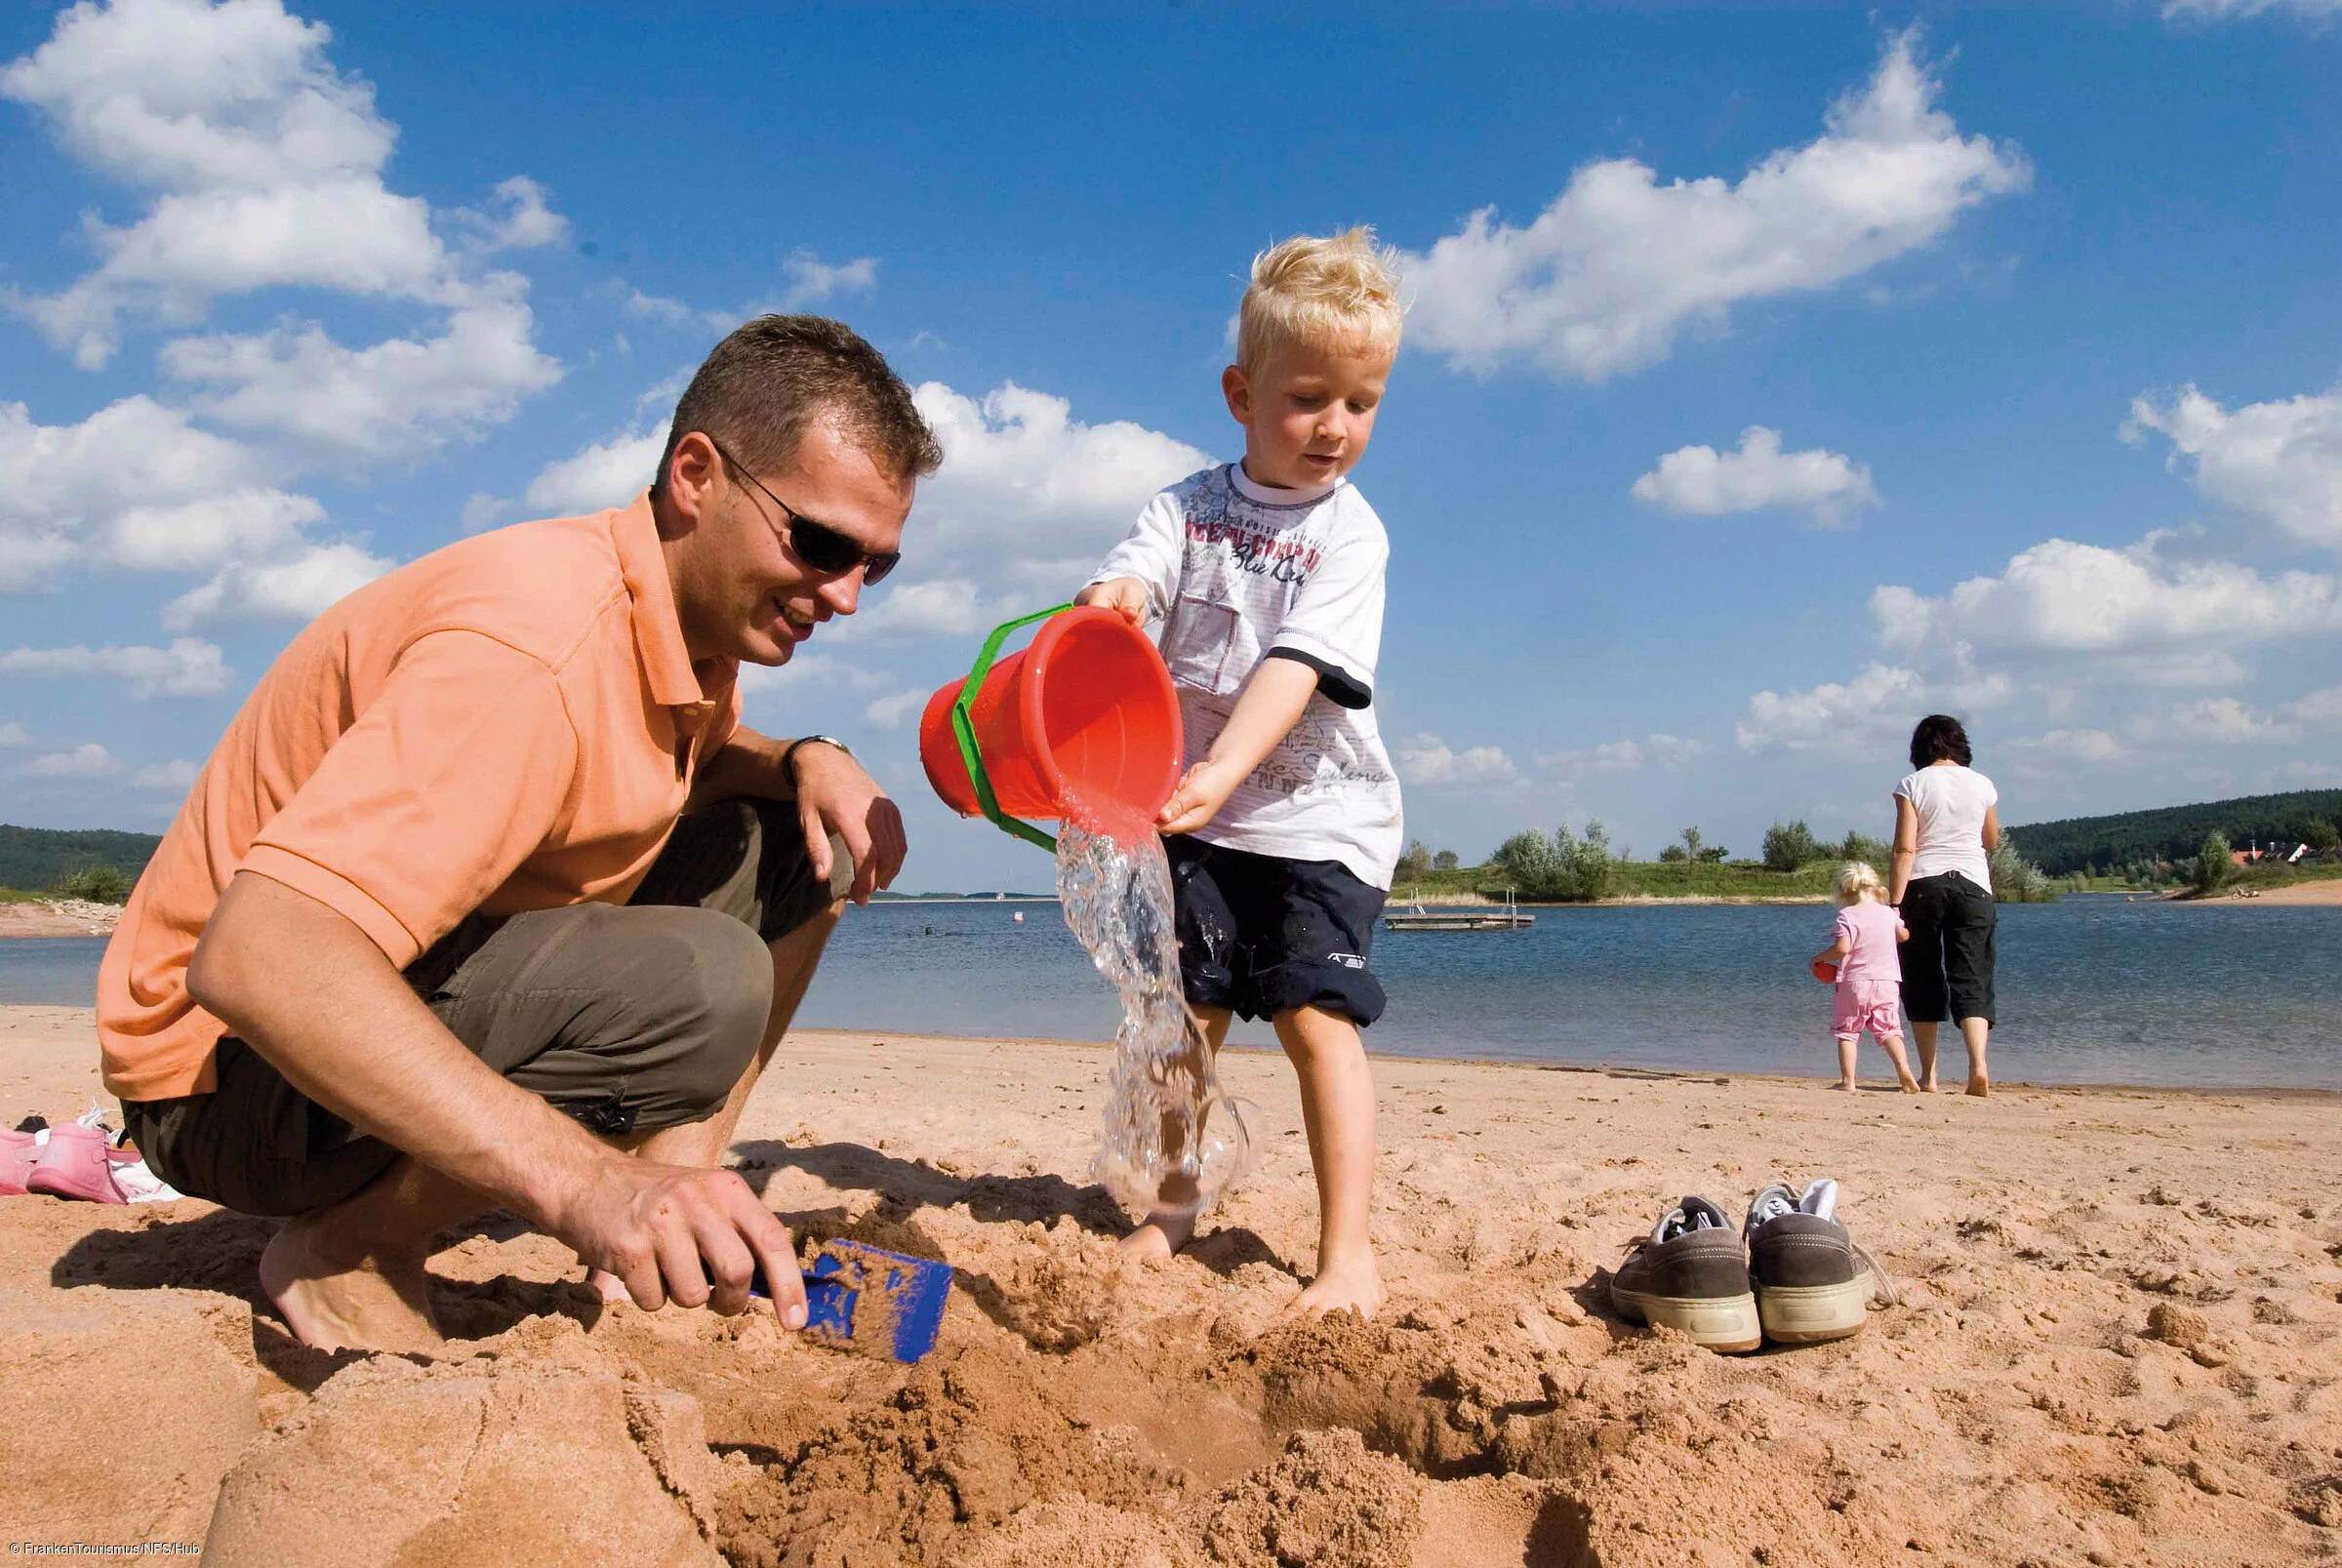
(1947, 820)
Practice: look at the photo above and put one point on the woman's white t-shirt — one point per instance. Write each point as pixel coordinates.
(1951, 801)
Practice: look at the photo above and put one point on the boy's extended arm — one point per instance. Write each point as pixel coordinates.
(1266, 711)
(1140, 576)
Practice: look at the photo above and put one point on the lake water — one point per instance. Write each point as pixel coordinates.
(2092, 988)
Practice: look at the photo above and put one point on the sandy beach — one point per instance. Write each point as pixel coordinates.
(58, 917)
(2117, 1345)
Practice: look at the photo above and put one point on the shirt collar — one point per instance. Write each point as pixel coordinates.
(658, 631)
(1273, 496)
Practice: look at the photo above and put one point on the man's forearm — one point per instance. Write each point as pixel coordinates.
(748, 766)
(313, 994)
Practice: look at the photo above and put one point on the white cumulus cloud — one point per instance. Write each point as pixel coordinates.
(1029, 492)
(2239, 10)
(2220, 721)
(1427, 762)
(2060, 596)
(135, 484)
(189, 667)
(2279, 462)
(1699, 481)
(88, 760)
(263, 161)
(1847, 718)
(521, 219)
(607, 473)
(892, 710)
(2080, 745)
(178, 774)
(261, 165)
(812, 280)
(1619, 265)
(393, 398)
(294, 588)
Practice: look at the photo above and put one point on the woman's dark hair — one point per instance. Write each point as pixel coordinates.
(1939, 736)
(771, 378)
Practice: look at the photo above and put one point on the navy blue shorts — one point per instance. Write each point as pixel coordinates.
(1260, 935)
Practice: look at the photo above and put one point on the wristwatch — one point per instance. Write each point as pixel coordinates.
(791, 754)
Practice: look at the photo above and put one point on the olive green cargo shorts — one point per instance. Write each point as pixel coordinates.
(627, 1019)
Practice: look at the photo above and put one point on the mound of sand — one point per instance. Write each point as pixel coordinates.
(124, 1411)
(2117, 1345)
(479, 1462)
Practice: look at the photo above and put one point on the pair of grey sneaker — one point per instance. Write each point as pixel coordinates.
(1793, 1274)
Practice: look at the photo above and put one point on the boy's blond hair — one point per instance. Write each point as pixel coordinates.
(1854, 878)
(1337, 291)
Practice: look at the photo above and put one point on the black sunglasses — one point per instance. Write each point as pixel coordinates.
(817, 545)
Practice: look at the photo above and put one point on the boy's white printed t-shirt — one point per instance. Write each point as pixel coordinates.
(1235, 571)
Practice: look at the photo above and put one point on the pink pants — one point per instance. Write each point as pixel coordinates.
(1876, 1005)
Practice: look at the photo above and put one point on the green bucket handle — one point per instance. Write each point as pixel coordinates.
(963, 729)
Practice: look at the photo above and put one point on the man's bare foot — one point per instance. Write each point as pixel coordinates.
(334, 1304)
(1349, 1287)
(1909, 1084)
(1927, 1085)
(1981, 1088)
(1162, 1234)
(1848, 1087)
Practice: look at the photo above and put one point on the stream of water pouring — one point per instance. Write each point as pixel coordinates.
(1172, 1139)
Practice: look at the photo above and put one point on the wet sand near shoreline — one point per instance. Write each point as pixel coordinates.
(2117, 1345)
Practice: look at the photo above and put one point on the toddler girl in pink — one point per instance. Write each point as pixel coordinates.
(1870, 975)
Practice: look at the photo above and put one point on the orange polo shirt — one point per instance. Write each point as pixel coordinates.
(508, 724)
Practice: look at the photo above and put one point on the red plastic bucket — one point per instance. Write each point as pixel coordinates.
(1084, 716)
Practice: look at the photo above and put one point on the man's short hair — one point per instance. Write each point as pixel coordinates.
(759, 389)
(1335, 292)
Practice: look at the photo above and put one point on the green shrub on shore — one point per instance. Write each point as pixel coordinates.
(1790, 845)
(98, 884)
(2215, 864)
(1564, 866)
(2016, 879)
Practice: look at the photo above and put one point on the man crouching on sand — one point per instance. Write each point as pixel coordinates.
(487, 898)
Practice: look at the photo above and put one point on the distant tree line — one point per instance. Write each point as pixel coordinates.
(2142, 841)
(97, 864)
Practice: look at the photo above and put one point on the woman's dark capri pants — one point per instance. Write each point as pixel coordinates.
(1948, 963)
(627, 1019)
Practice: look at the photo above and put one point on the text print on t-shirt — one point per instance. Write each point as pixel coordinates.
(1204, 638)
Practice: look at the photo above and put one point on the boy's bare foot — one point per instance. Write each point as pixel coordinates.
(1348, 1287)
(1162, 1234)
(1927, 1085)
(1981, 1088)
(374, 1304)
(1848, 1087)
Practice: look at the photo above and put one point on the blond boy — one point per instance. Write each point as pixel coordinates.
(1267, 575)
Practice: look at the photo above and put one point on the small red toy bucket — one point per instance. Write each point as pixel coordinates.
(1085, 721)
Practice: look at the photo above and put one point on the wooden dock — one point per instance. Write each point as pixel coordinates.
(1459, 918)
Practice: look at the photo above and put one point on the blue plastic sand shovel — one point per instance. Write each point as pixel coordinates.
(897, 1301)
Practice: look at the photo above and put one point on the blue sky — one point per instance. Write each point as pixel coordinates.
(1772, 379)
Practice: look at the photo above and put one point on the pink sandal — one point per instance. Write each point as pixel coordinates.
(18, 1151)
(76, 1163)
